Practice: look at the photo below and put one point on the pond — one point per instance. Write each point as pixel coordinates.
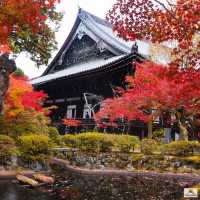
(12, 191)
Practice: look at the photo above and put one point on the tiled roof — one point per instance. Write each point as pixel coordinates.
(102, 31)
(78, 68)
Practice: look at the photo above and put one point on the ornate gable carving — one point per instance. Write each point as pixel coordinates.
(82, 49)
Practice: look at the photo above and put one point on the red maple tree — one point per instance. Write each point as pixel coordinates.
(71, 122)
(26, 26)
(154, 91)
(24, 23)
(21, 97)
(23, 111)
(161, 21)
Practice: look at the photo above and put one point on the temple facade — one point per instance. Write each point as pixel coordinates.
(91, 63)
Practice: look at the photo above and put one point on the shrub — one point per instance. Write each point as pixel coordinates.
(98, 142)
(54, 135)
(106, 142)
(149, 146)
(89, 142)
(34, 147)
(25, 122)
(158, 134)
(7, 147)
(94, 142)
(125, 143)
(181, 148)
(70, 140)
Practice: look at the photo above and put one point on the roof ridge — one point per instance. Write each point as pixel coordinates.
(96, 18)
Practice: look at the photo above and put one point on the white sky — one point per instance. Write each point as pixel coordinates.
(70, 7)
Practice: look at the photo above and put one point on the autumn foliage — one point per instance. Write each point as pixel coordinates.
(71, 122)
(21, 97)
(153, 91)
(160, 21)
(23, 111)
(24, 27)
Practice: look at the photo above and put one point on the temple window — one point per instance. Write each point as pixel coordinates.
(71, 112)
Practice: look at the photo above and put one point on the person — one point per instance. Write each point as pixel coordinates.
(87, 116)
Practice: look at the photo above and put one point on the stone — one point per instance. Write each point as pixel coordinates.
(114, 191)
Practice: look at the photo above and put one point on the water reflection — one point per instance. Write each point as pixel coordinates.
(11, 191)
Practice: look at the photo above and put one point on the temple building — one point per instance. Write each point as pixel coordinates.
(91, 63)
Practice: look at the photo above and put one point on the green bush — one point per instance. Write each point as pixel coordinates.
(94, 142)
(106, 142)
(99, 142)
(54, 135)
(34, 147)
(181, 148)
(158, 135)
(7, 147)
(149, 146)
(70, 140)
(125, 143)
(89, 142)
(26, 122)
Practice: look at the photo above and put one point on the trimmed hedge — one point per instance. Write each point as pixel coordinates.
(54, 136)
(149, 146)
(70, 140)
(182, 148)
(34, 147)
(125, 143)
(98, 142)
(7, 147)
(94, 142)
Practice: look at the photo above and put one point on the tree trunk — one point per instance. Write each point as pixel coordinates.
(167, 134)
(150, 129)
(7, 66)
(129, 128)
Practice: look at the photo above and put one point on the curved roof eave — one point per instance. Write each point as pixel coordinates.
(91, 67)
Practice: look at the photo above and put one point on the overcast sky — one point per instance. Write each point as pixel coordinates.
(70, 7)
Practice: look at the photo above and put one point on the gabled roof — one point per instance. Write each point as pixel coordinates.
(103, 30)
(99, 29)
